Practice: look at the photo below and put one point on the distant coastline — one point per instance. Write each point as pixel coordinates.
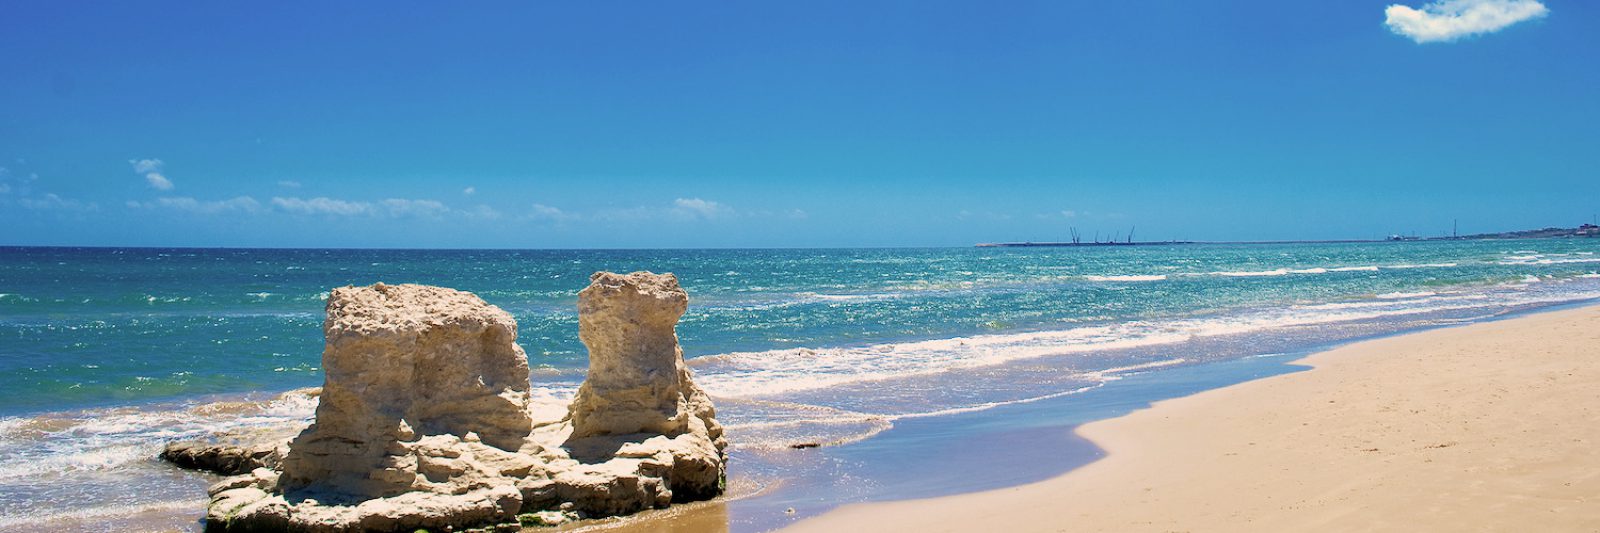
(1585, 231)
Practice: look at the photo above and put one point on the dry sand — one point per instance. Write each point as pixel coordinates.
(1492, 426)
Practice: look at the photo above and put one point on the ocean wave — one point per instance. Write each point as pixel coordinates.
(1543, 261)
(1425, 265)
(1395, 300)
(766, 374)
(1135, 277)
(28, 520)
(106, 439)
(867, 297)
(1309, 270)
(1252, 274)
(1405, 295)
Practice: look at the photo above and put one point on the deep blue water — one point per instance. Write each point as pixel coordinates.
(104, 353)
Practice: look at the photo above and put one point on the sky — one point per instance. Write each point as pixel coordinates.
(790, 124)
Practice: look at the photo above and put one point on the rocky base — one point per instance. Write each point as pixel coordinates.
(467, 484)
(425, 421)
(229, 455)
(238, 452)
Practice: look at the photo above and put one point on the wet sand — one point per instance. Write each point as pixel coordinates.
(1491, 426)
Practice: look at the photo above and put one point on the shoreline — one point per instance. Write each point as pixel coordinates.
(1059, 438)
(1400, 432)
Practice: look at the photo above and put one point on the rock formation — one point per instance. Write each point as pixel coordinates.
(404, 361)
(425, 419)
(231, 454)
(638, 382)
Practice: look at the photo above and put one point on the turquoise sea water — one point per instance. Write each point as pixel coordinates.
(105, 353)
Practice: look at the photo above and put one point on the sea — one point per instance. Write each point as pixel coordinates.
(842, 375)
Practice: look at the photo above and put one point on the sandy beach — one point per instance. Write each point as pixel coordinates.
(1491, 426)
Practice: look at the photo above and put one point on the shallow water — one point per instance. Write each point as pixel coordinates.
(106, 353)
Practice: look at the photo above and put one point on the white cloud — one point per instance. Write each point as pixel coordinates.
(545, 212)
(1448, 20)
(322, 205)
(392, 207)
(52, 201)
(482, 212)
(158, 181)
(145, 165)
(698, 208)
(401, 207)
(289, 184)
(469, 191)
(680, 210)
(244, 204)
(151, 168)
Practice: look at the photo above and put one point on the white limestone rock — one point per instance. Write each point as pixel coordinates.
(426, 420)
(405, 361)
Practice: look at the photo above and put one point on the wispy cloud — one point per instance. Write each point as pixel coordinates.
(52, 201)
(401, 207)
(243, 204)
(151, 168)
(5, 180)
(700, 208)
(549, 214)
(19, 189)
(966, 214)
(322, 205)
(482, 212)
(1449, 20)
(289, 184)
(391, 207)
(469, 191)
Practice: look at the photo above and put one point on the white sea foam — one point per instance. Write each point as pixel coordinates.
(766, 374)
(1251, 274)
(106, 439)
(848, 297)
(991, 405)
(1532, 260)
(1368, 268)
(1405, 295)
(1149, 277)
(1379, 302)
(35, 521)
(1426, 265)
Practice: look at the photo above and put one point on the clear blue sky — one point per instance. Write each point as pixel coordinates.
(682, 124)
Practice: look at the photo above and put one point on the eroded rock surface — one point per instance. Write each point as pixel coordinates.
(404, 361)
(230, 454)
(426, 419)
(638, 382)
(240, 451)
